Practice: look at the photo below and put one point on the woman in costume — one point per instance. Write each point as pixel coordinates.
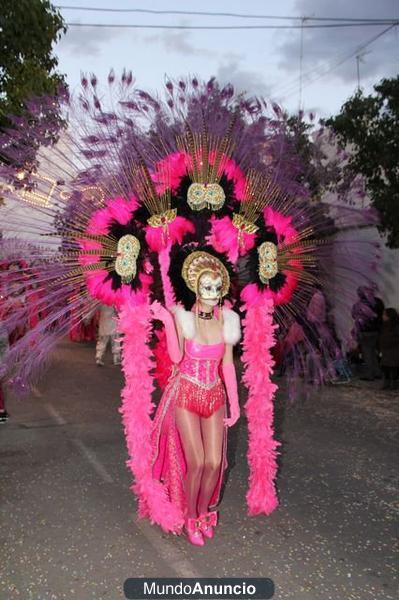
(121, 190)
(189, 428)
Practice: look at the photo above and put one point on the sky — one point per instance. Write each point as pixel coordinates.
(258, 61)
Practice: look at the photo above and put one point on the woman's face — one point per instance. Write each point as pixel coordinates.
(210, 288)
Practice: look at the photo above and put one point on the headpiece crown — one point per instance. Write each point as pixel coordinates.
(199, 262)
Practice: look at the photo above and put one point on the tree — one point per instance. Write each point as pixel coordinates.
(370, 126)
(28, 30)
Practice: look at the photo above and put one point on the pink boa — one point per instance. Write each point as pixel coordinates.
(136, 410)
(164, 263)
(258, 361)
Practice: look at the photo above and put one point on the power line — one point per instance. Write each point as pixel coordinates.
(290, 88)
(222, 14)
(231, 27)
(338, 62)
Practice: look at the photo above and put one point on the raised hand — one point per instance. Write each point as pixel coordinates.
(162, 314)
(159, 312)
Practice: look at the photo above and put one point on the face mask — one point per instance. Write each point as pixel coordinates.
(210, 289)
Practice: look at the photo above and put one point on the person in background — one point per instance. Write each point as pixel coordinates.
(107, 334)
(389, 347)
(86, 330)
(367, 314)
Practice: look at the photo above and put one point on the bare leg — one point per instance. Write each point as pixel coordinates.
(212, 435)
(188, 425)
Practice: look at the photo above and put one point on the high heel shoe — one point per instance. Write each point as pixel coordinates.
(208, 521)
(193, 531)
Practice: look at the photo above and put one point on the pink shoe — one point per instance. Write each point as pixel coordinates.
(208, 521)
(193, 530)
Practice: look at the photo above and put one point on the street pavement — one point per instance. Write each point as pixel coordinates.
(68, 522)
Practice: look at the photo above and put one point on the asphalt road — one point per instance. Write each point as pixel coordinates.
(68, 523)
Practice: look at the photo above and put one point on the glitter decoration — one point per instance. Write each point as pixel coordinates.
(268, 267)
(203, 195)
(126, 261)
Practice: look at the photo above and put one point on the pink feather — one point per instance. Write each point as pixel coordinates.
(224, 238)
(234, 173)
(116, 209)
(89, 259)
(168, 292)
(137, 408)
(262, 447)
(120, 210)
(158, 238)
(170, 171)
(102, 290)
(282, 225)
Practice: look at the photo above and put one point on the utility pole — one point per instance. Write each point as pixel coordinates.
(301, 64)
(359, 59)
(358, 71)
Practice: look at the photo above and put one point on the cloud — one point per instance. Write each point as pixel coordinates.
(244, 80)
(323, 49)
(86, 41)
(179, 41)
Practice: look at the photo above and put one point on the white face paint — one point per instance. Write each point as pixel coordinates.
(210, 289)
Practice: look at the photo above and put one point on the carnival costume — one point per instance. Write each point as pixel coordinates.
(129, 192)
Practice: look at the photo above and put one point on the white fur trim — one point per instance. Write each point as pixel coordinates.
(231, 327)
(231, 324)
(186, 320)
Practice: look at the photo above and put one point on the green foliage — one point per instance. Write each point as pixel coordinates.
(370, 126)
(298, 131)
(28, 30)
(317, 172)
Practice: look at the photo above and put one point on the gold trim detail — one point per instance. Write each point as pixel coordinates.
(243, 225)
(162, 219)
(199, 262)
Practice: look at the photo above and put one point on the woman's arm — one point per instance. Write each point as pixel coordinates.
(174, 337)
(230, 382)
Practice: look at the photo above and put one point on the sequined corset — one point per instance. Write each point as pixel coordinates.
(201, 362)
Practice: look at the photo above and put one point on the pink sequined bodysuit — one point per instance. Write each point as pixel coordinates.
(200, 388)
